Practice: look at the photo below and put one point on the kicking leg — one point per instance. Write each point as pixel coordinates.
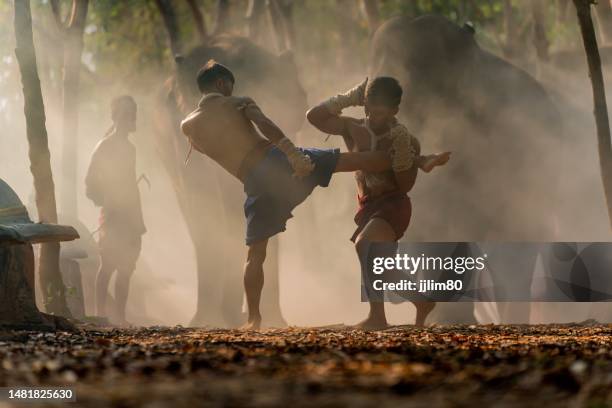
(380, 161)
(253, 281)
(366, 161)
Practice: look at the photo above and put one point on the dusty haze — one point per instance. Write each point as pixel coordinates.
(319, 275)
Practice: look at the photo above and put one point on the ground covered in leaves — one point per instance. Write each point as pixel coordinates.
(567, 365)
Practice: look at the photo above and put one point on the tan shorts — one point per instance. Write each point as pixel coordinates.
(119, 248)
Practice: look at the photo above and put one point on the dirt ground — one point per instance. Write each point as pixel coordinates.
(455, 366)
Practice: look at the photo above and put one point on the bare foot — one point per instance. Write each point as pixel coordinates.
(435, 160)
(423, 310)
(373, 323)
(252, 324)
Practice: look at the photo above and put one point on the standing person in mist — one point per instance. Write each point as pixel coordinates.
(277, 176)
(111, 184)
(384, 206)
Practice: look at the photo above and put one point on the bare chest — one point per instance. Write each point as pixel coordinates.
(364, 139)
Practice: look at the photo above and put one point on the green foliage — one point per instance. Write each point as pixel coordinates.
(125, 40)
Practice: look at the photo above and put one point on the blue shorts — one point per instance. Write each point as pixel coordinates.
(272, 191)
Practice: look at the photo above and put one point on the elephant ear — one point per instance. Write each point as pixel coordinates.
(287, 59)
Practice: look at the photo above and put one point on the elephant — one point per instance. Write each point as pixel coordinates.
(505, 131)
(209, 198)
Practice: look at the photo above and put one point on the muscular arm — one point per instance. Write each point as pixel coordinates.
(327, 122)
(327, 115)
(405, 158)
(265, 125)
(301, 163)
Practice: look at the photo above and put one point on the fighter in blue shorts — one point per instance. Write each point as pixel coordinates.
(277, 176)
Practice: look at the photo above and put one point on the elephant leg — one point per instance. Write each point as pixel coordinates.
(514, 312)
(518, 262)
(232, 290)
(210, 268)
(235, 253)
(206, 226)
(231, 237)
(453, 313)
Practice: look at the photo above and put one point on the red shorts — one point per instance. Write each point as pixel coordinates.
(394, 207)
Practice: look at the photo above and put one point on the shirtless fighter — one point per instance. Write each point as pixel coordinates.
(112, 185)
(384, 206)
(277, 176)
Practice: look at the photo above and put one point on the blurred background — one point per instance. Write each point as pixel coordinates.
(501, 83)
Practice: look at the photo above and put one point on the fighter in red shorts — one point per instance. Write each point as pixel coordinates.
(384, 206)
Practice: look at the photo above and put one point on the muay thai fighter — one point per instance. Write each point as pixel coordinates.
(384, 206)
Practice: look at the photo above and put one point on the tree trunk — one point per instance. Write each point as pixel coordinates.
(40, 162)
(222, 16)
(73, 35)
(462, 11)
(511, 31)
(198, 18)
(170, 23)
(370, 8)
(604, 18)
(583, 8)
(276, 17)
(346, 30)
(540, 40)
(286, 10)
(254, 14)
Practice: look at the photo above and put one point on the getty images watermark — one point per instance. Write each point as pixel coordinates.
(484, 271)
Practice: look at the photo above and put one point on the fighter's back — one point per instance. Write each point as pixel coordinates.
(219, 129)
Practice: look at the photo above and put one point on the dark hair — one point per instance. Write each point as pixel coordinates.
(209, 73)
(385, 91)
(119, 105)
